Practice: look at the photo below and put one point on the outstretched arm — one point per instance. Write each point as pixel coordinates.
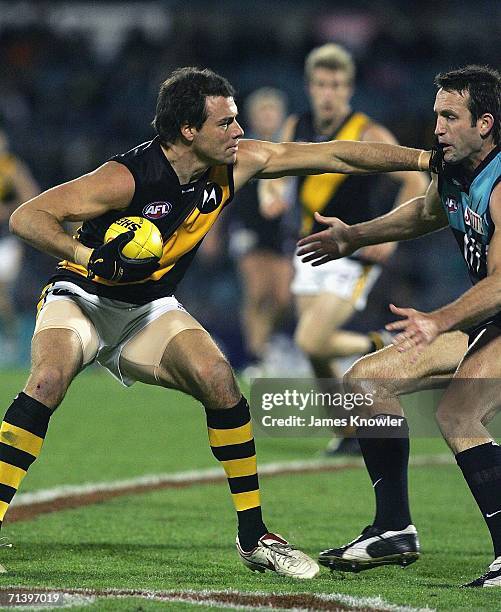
(272, 160)
(417, 217)
(417, 329)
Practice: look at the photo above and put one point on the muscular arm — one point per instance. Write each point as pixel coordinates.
(39, 221)
(273, 160)
(412, 184)
(418, 217)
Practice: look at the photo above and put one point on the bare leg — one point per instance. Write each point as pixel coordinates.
(470, 402)
(266, 296)
(56, 359)
(320, 318)
(388, 374)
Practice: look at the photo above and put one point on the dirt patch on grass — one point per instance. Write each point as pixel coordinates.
(54, 598)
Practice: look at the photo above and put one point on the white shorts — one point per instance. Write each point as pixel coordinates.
(112, 323)
(11, 252)
(347, 278)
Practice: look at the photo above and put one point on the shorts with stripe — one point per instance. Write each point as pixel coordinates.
(347, 278)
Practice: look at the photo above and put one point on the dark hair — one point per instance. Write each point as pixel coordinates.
(483, 84)
(181, 100)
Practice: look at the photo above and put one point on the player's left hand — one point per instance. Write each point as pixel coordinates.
(416, 329)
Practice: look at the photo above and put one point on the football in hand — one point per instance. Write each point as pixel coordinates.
(147, 241)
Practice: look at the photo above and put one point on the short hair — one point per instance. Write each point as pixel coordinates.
(331, 56)
(265, 94)
(182, 100)
(483, 84)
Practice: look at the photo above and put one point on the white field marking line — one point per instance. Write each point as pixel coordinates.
(206, 474)
(214, 598)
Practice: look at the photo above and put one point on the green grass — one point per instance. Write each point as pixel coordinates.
(183, 538)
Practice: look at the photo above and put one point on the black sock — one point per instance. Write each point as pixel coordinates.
(387, 457)
(481, 467)
(21, 436)
(232, 443)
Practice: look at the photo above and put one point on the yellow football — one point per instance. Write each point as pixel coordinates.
(147, 241)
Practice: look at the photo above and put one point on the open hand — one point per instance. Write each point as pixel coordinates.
(416, 329)
(331, 243)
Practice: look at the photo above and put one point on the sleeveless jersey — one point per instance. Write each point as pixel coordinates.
(339, 195)
(182, 213)
(466, 203)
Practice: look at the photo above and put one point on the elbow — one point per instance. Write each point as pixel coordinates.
(15, 223)
(18, 223)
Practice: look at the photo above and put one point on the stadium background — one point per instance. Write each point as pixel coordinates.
(78, 83)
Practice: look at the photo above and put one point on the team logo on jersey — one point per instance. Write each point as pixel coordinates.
(212, 198)
(474, 220)
(451, 204)
(157, 210)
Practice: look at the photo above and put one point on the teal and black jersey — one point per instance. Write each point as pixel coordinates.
(466, 202)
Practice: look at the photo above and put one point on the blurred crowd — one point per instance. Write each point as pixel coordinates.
(78, 83)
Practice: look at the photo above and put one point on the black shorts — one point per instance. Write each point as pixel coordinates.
(482, 334)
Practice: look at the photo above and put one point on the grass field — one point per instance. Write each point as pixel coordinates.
(181, 539)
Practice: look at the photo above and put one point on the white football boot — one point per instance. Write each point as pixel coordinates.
(276, 554)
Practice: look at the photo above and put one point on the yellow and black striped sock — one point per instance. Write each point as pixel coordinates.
(21, 437)
(232, 443)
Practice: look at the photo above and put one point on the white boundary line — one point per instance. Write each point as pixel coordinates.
(206, 474)
(72, 597)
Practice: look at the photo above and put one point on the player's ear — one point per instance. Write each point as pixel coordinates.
(188, 132)
(485, 123)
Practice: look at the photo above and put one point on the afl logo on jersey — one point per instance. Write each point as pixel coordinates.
(451, 204)
(212, 198)
(157, 210)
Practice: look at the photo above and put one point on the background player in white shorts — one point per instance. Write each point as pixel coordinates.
(327, 298)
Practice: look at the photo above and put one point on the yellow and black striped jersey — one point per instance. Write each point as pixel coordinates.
(183, 214)
(340, 195)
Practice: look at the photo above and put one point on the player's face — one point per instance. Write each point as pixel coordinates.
(330, 93)
(454, 131)
(266, 117)
(217, 140)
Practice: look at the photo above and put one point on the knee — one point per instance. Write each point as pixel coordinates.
(358, 374)
(48, 385)
(216, 382)
(362, 377)
(310, 344)
(452, 422)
